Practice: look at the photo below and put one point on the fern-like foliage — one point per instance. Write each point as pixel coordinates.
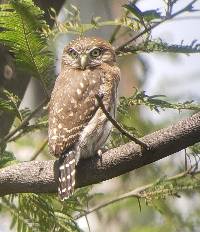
(165, 187)
(154, 102)
(42, 212)
(7, 158)
(40, 124)
(10, 103)
(161, 46)
(22, 32)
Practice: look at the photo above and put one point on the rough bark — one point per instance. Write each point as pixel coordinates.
(41, 176)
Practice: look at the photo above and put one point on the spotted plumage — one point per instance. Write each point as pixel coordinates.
(77, 126)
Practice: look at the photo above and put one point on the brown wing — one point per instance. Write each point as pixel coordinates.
(72, 105)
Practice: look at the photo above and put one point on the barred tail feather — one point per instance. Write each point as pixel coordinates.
(66, 181)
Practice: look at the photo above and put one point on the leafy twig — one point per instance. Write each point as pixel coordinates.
(38, 125)
(137, 193)
(116, 30)
(25, 121)
(154, 102)
(186, 8)
(160, 46)
(39, 150)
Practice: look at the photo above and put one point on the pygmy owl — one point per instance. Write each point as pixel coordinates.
(77, 126)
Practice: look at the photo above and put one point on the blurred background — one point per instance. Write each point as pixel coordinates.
(177, 77)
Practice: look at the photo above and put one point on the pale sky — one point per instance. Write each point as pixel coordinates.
(175, 77)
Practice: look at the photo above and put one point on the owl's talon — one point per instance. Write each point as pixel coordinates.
(99, 152)
(102, 150)
(100, 95)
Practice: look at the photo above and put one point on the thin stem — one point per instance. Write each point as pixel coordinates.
(39, 150)
(15, 137)
(118, 126)
(115, 32)
(117, 29)
(24, 122)
(120, 48)
(136, 193)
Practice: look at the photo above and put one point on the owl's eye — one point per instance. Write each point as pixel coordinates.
(73, 53)
(95, 53)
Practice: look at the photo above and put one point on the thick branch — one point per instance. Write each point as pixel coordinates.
(41, 176)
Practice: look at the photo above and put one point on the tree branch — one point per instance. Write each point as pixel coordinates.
(41, 176)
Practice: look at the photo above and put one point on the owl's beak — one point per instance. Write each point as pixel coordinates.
(83, 61)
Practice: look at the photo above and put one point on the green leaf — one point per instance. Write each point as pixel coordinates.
(134, 10)
(5, 105)
(13, 102)
(151, 14)
(6, 159)
(44, 212)
(154, 103)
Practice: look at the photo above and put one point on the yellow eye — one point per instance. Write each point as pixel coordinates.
(73, 53)
(95, 53)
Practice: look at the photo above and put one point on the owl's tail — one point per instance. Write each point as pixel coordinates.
(66, 181)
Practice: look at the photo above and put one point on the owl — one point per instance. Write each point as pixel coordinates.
(78, 128)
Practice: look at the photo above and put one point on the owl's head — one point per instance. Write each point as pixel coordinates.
(88, 52)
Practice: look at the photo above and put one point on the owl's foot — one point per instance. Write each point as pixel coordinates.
(99, 154)
(101, 151)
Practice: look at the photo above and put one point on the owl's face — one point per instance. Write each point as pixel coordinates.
(84, 53)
